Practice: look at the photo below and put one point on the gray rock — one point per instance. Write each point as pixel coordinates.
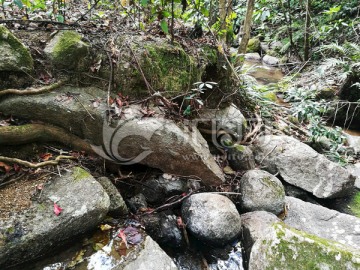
(14, 55)
(270, 60)
(354, 142)
(323, 222)
(117, 204)
(155, 142)
(241, 158)
(261, 190)
(212, 218)
(356, 173)
(137, 202)
(276, 45)
(300, 165)
(214, 124)
(254, 225)
(66, 49)
(163, 229)
(286, 248)
(159, 188)
(264, 47)
(150, 257)
(253, 56)
(62, 110)
(161, 143)
(37, 230)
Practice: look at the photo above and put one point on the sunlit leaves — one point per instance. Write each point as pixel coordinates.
(164, 26)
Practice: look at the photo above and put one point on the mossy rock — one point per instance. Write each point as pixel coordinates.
(148, 66)
(355, 205)
(14, 55)
(326, 92)
(67, 50)
(286, 248)
(253, 45)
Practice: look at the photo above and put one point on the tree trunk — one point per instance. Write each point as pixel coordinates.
(307, 31)
(246, 29)
(222, 15)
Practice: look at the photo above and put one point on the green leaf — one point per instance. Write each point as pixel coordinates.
(60, 18)
(18, 3)
(144, 3)
(166, 14)
(187, 110)
(164, 26)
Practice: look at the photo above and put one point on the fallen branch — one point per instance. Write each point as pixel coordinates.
(254, 131)
(15, 135)
(35, 165)
(31, 91)
(168, 205)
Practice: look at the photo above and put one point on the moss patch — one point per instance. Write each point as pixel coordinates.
(80, 174)
(269, 95)
(295, 249)
(66, 49)
(169, 68)
(253, 45)
(15, 56)
(355, 205)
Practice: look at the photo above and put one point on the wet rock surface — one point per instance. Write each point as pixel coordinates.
(261, 190)
(163, 229)
(150, 257)
(300, 165)
(38, 230)
(211, 218)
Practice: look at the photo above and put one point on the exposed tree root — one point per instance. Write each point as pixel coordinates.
(32, 91)
(35, 165)
(15, 135)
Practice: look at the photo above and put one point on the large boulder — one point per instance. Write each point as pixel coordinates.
(68, 107)
(153, 141)
(255, 182)
(212, 218)
(286, 248)
(38, 230)
(152, 63)
(298, 164)
(160, 143)
(323, 222)
(66, 49)
(14, 55)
